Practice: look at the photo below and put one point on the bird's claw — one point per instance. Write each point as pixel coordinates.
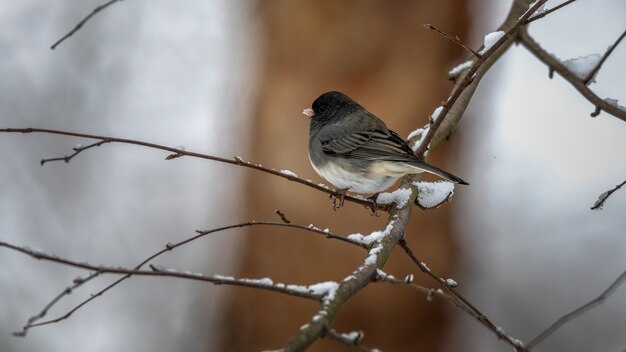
(374, 207)
(338, 198)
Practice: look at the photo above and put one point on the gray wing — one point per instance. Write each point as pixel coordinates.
(369, 145)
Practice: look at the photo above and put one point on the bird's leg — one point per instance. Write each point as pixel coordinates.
(374, 207)
(339, 198)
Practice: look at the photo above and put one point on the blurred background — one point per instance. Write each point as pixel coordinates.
(230, 78)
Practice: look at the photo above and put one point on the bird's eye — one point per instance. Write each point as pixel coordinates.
(323, 108)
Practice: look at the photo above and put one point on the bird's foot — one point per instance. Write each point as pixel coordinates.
(338, 198)
(374, 208)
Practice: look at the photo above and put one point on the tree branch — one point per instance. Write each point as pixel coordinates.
(454, 39)
(463, 302)
(548, 11)
(83, 21)
(32, 321)
(604, 196)
(176, 153)
(454, 107)
(579, 311)
(608, 52)
(555, 65)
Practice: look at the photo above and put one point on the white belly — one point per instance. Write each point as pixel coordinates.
(355, 181)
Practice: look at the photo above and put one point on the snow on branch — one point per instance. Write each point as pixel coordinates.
(578, 81)
(79, 281)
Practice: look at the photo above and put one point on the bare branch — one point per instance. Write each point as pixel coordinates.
(168, 247)
(454, 39)
(83, 21)
(471, 309)
(608, 52)
(548, 11)
(179, 153)
(555, 65)
(579, 311)
(465, 87)
(604, 196)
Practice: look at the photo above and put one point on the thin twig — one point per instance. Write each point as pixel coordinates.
(282, 216)
(555, 65)
(77, 150)
(475, 312)
(579, 311)
(352, 339)
(160, 271)
(454, 39)
(178, 152)
(468, 77)
(548, 11)
(83, 21)
(168, 247)
(608, 52)
(604, 196)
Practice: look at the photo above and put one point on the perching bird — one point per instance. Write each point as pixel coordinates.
(355, 151)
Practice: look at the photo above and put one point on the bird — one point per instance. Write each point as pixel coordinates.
(355, 151)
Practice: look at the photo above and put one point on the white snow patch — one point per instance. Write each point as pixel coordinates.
(456, 70)
(432, 194)
(373, 255)
(435, 115)
(288, 173)
(451, 283)
(490, 40)
(375, 236)
(614, 102)
(326, 288)
(400, 197)
(263, 281)
(583, 65)
(421, 132)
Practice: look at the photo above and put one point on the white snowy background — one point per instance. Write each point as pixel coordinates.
(178, 74)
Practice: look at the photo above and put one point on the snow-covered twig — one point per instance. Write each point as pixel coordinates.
(33, 321)
(463, 302)
(608, 52)
(465, 87)
(556, 65)
(604, 196)
(352, 339)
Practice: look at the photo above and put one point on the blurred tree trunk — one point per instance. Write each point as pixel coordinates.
(378, 53)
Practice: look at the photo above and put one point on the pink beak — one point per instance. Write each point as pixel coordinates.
(308, 112)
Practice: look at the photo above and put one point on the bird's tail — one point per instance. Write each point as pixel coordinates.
(439, 172)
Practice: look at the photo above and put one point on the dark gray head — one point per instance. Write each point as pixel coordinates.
(330, 107)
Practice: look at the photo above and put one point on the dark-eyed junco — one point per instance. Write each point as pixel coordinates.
(354, 150)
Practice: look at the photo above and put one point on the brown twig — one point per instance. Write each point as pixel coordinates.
(548, 11)
(475, 312)
(168, 247)
(604, 196)
(352, 339)
(454, 39)
(470, 79)
(83, 21)
(555, 65)
(578, 311)
(608, 52)
(282, 216)
(77, 150)
(178, 152)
